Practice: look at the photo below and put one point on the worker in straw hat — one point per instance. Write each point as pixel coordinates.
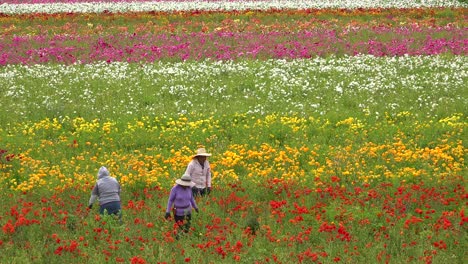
(181, 202)
(200, 171)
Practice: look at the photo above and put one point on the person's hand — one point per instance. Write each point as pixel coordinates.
(167, 215)
(196, 210)
(90, 206)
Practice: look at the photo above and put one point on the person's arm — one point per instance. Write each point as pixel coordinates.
(94, 196)
(208, 176)
(120, 189)
(193, 203)
(171, 200)
(189, 169)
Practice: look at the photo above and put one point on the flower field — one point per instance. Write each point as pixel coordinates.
(338, 129)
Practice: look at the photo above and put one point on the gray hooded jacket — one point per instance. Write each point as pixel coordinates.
(107, 188)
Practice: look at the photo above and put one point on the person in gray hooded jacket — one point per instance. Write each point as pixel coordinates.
(107, 190)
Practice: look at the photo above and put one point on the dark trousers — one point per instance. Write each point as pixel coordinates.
(183, 221)
(199, 191)
(112, 208)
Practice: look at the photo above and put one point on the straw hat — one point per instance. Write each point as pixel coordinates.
(185, 180)
(201, 152)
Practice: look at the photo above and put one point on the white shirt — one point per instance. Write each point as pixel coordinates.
(201, 176)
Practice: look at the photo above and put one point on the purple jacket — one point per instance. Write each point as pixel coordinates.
(182, 200)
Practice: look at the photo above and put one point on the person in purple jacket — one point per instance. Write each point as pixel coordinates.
(181, 201)
(107, 190)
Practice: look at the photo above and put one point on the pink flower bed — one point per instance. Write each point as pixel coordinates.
(227, 46)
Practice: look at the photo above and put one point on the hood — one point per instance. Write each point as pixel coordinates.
(103, 172)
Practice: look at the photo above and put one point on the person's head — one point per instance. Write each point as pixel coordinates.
(201, 155)
(103, 172)
(185, 181)
(201, 159)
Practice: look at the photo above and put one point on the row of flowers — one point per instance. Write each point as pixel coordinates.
(31, 6)
(423, 222)
(146, 23)
(367, 86)
(60, 154)
(232, 46)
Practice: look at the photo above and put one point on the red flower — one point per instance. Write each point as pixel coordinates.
(221, 251)
(58, 251)
(412, 220)
(137, 260)
(343, 234)
(325, 227)
(275, 204)
(8, 228)
(464, 219)
(440, 244)
(73, 246)
(446, 223)
(335, 179)
(239, 245)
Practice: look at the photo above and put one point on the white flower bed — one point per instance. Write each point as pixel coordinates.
(135, 6)
(309, 86)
